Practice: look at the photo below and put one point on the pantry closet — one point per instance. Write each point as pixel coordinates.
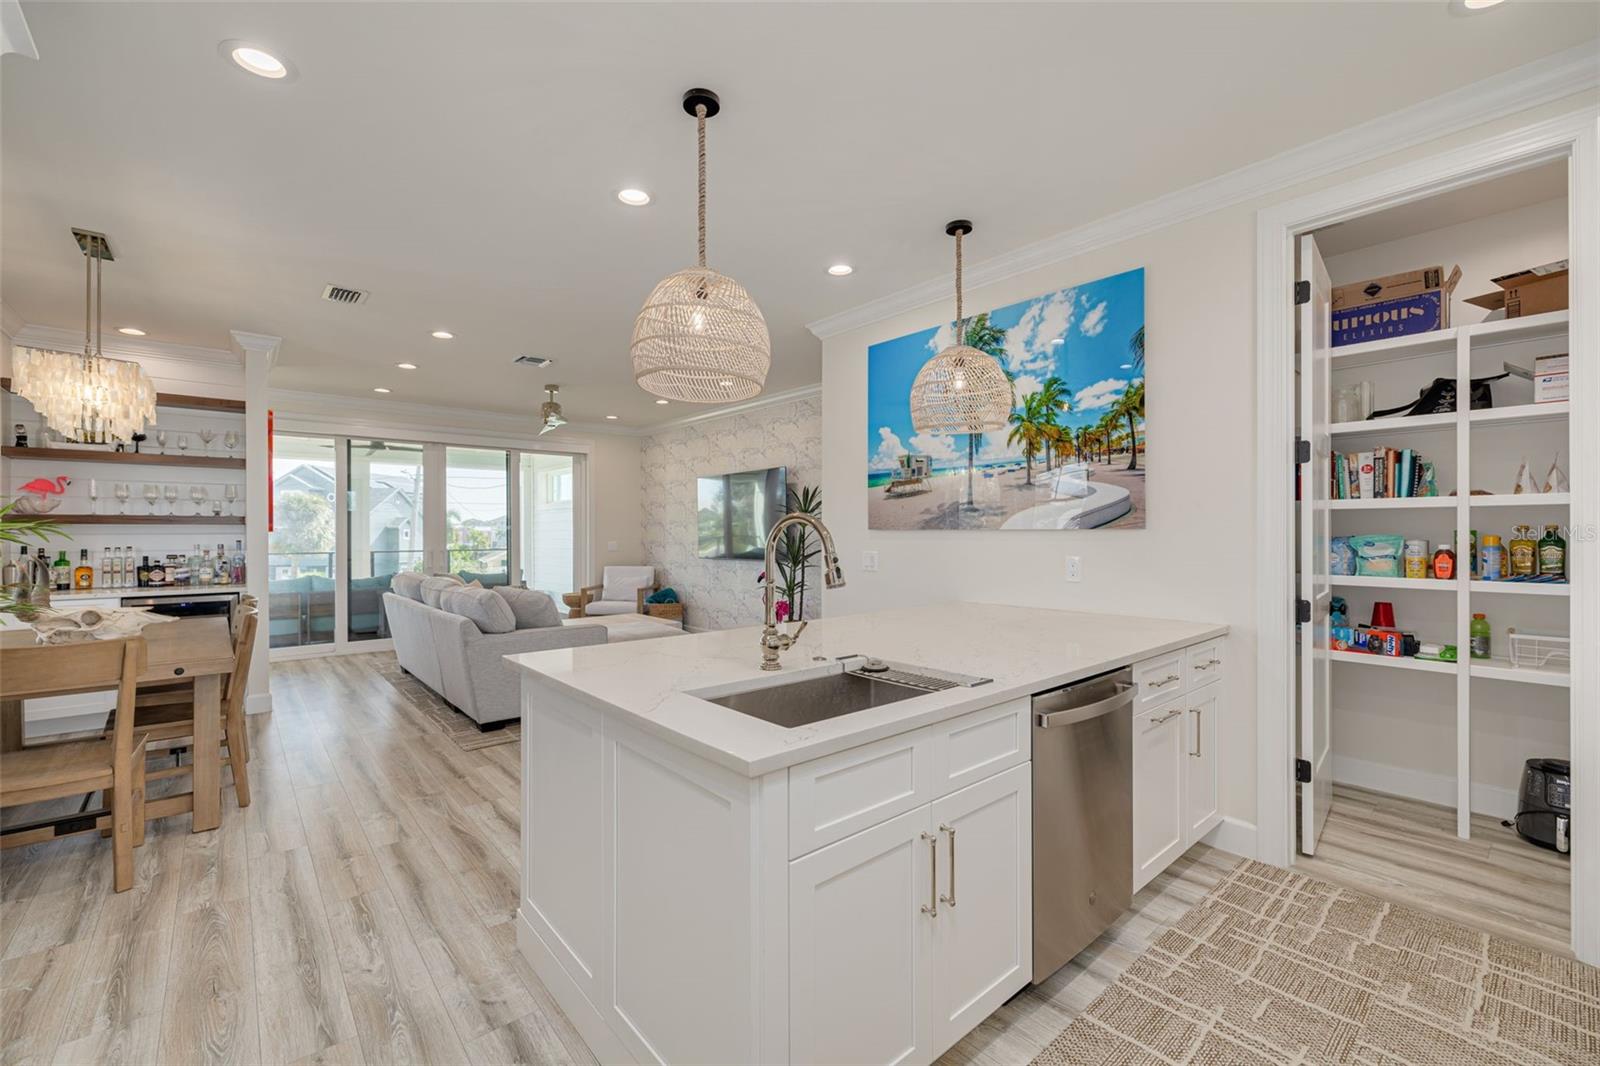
(1408, 762)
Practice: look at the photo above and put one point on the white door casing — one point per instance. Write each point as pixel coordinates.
(1315, 739)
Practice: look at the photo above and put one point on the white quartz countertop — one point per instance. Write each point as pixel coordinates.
(163, 590)
(1024, 649)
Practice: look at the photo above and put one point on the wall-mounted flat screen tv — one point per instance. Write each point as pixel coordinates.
(736, 511)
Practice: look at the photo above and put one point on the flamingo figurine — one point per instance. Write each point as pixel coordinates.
(43, 489)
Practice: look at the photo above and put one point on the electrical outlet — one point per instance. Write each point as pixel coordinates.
(611, 545)
(1074, 568)
(869, 562)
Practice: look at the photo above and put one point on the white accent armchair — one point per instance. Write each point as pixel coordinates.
(622, 590)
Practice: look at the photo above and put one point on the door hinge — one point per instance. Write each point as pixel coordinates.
(1302, 450)
(1302, 771)
(1302, 610)
(1302, 293)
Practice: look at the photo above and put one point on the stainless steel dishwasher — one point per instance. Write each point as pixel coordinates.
(1082, 815)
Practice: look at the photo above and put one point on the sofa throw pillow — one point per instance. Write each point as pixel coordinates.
(433, 586)
(481, 607)
(408, 583)
(533, 610)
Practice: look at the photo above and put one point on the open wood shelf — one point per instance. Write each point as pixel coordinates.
(1401, 503)
(142, 520)
(1521, 413)
(1394, 662)
(1358, 581)
(1502, 670)
(1391, 349)
(1517, 330)
(180, 399)
(88, 455)
(1524, 588)
(1525, 499)
(1396, 424)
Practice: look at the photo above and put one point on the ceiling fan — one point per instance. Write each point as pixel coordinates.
(550, 412)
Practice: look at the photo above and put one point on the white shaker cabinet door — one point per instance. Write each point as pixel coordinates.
(1158, 799)
(860, 944)
(983, 933)
(1200, 812)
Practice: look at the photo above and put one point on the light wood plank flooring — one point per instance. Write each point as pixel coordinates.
(361, 911)
(1407, 851)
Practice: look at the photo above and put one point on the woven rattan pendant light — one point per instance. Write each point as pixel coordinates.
(700, 337)
(962, 389)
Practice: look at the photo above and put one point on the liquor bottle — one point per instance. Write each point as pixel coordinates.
(107, 576)
(1553, 554)
(208, 568)
(11, 573)
(61, 573)
(224, 574)
(177, 570)
(158, 574)
(237, 576)
(141, 574)
(83, 574)
(130, 569)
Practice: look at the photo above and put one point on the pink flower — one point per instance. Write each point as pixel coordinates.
(781, 610)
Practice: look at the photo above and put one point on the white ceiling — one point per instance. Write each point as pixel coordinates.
(460, 160)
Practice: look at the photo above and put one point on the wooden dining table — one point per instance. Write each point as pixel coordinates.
(197, 650)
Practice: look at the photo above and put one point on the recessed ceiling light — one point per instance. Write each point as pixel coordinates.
(406, 366)
(443, 335)
(840, 270)
(634, 197)
(261, 63)
(380, 388)
(611, 418)
(132, 331)
(661, 403)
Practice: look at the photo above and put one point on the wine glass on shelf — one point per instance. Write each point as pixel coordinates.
(171, 493)
(216, 508)
(197, 495)
(161, 440)
(230, 440)
(183, 444)
(232, 493)
(121, 492)
(94, 494)
(152, 493)
(206, 437)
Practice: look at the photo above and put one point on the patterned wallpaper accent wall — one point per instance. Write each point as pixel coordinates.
(722, 593)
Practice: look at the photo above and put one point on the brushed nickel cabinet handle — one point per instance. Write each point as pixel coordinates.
(951, 898)
(1169, 716)
(931, 908)
(1198, 725)
(1170, 678)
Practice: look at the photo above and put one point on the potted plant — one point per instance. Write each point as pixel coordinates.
(19, 598)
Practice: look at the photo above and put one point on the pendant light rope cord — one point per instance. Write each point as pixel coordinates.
(700, 123)
(88, 294)
(99, 293)
(958, 286)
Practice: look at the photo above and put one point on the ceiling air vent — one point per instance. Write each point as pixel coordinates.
(340, 295)
(532, 360)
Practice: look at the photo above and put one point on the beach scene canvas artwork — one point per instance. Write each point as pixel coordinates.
(1073, 455)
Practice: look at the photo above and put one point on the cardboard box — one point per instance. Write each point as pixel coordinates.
(1528, 292)
(1550, 383)
(1414, 302)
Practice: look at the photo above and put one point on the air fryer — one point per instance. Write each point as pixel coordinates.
(1544, 804)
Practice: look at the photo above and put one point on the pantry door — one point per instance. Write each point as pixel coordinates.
(1315, 740)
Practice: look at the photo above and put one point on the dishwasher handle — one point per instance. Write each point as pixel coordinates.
(1097, 709)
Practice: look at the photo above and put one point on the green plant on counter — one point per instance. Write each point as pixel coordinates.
(15, 530)
(797, 549)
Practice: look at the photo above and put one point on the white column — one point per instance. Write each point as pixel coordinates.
(259, 353)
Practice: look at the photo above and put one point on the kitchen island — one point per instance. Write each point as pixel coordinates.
(703, 885)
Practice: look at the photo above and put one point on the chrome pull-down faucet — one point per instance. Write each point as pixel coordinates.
(772, 641)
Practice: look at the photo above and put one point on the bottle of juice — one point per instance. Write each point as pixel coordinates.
(1553, 554)
(1524, 553)
(1478, 634)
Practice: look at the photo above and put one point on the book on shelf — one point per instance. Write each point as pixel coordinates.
(1381, 474)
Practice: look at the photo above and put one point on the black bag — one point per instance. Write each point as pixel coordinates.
(1440, 398)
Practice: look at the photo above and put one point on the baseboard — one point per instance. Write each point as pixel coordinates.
(1234, 836)
(258, 703)
(1433, 788)
(565, 991)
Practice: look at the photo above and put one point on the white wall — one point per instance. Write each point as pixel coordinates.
(1196, 556)
(721, 593)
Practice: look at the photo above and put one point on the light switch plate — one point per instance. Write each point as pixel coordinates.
(1074, 568)
(869, 562)
(611, 545)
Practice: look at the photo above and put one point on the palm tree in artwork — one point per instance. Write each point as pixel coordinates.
(1107, 428)
(1054, 399)
(1131, 407)
(1028, 427)
(1136, 349)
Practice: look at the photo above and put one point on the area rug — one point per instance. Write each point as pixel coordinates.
(455, 725)
(1276, 967)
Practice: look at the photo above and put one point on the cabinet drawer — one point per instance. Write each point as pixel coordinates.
(837, 795)
(980, 744)
(1158, 678)
(1203, 663)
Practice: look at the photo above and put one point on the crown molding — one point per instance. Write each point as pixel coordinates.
(1545, 80)
(769, 400)
(120, 347)
(262, 346)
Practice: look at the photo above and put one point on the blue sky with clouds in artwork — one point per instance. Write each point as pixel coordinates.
(1094, 323)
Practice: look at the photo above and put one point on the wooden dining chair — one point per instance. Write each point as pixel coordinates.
(113, 764)
(166, 715)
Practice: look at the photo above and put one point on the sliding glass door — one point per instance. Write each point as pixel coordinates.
(387, 532)
(302, 544)
(477, 514)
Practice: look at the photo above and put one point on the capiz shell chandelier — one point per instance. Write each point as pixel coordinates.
(700, 337)
(962, 389)
(87, 397)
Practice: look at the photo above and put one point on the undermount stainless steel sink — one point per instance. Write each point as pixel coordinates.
(873, 683)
